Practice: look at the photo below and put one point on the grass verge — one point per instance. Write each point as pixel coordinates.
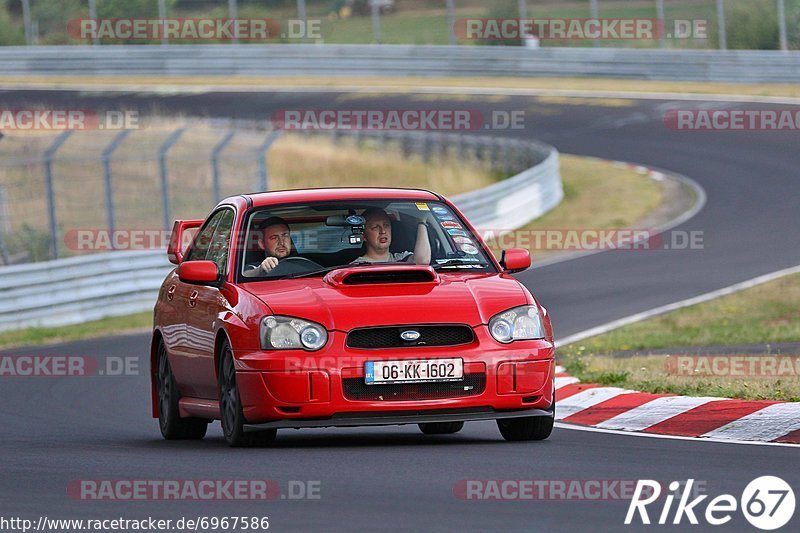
(411, 84)
(98, 328)
(764, 314)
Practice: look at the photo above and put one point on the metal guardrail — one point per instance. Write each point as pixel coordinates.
(84, 288)
(80, 289)
(401, 60)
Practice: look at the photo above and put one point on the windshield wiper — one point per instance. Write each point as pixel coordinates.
(456, 262)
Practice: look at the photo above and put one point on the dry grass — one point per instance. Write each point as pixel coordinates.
(335, 166)
(627, 197)
(601, 195)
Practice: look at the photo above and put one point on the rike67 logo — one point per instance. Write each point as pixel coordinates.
(767, 502)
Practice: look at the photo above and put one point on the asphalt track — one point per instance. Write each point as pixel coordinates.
(58, 430)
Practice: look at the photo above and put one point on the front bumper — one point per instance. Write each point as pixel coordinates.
(300, 389)
(400, 418)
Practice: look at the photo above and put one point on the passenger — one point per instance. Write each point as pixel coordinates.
(378, 240)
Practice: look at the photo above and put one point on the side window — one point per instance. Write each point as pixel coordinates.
(203, 239)
(220, 242)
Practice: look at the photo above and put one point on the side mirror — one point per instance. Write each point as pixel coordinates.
(515, 260)
(177, 238)
(198, 272)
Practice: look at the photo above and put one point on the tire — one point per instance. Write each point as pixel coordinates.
(528, 428)
(230, 407)
(173, 427)
(441, 428)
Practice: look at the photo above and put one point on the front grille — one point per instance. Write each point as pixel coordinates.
(357, 389)
(389, 337)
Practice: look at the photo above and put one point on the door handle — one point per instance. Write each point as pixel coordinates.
(171, 292)
(193, 298)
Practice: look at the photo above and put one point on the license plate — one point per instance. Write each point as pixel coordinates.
(413, 371)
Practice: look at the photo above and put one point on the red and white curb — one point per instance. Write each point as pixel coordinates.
(612, 408)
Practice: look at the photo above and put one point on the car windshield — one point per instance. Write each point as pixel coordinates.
(304, 241)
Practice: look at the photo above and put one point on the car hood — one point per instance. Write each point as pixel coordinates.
(452, 298)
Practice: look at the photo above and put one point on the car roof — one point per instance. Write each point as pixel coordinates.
(334, 194)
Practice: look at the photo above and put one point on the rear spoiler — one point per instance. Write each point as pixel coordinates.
(176, 240)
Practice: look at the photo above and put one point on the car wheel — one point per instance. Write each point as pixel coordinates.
(230, 407)
(441, 428)
(173, 427)
(528, 428)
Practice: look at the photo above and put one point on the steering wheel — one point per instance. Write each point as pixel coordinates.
(292, 265)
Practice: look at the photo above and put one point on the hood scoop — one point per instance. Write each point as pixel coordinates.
(382, 274)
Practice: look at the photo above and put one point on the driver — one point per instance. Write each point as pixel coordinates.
(274, 238)
(378, 240)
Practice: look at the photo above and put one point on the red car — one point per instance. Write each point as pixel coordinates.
(346, 307)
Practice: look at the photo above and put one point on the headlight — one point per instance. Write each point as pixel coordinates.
(516, 324)
(288, 333)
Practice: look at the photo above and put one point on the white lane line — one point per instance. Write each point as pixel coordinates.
(564, 381)
(615, 324)
(585, 399)
(767, 424)
(590, 429)
(653, 412)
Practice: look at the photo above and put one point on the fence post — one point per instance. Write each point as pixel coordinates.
(522, 6)
(301, 14)
(376, 23)
(662, 23)
(217, 189)
(782, 25)
(93, 16)
(425, 146)
(232, 15)
(723, 31)
(162, 15)
(49, 154)
(495, 154)
(106, 159)
(4, 226)
(451, 22)
(26, 21)
(595, 14)
(162, 166)
(262, 159)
